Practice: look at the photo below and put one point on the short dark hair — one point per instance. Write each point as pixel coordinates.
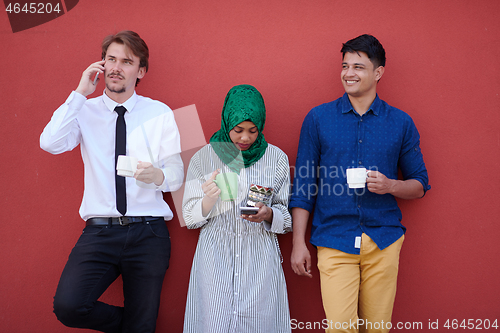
(133, 42)
(367, 44)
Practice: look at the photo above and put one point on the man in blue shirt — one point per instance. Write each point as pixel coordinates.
(357, 231)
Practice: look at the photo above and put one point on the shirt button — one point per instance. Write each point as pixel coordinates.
(360, 162)
(359, 206)
(360, 141)
(237, 255)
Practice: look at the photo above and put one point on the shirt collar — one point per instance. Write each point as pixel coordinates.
(375, 108)
(128, 104)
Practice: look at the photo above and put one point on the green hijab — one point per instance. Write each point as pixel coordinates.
(242, 103)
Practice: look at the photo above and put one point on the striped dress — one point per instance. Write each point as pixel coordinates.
(237, 282)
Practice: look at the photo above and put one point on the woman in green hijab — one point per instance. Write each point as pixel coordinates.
(237, 282)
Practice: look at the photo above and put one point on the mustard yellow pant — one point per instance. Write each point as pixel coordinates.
(358, 291)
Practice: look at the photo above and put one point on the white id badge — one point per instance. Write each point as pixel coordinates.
(357, 242)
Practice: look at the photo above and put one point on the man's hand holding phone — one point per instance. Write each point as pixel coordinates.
(90, 78)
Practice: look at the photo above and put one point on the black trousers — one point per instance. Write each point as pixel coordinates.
(140, 252)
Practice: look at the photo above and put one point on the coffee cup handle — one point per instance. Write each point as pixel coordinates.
(367, 171)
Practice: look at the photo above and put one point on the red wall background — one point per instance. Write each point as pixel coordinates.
(442, 68)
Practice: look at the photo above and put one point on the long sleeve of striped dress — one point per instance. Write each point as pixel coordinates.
(237, 282)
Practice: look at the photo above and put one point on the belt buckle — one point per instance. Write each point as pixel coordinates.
(123, 220)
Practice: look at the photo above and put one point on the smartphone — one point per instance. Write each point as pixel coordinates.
(95, 79)
(249, 210)
(96, 76)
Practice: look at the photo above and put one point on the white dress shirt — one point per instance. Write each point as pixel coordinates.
(152, 136)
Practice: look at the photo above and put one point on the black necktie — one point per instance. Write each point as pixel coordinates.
(120, 149)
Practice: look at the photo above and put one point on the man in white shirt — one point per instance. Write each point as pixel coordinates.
(125, 230)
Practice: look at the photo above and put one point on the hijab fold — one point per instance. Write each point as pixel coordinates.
(242, 103)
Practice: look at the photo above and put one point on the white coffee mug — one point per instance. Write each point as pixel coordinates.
(356, 177)
(126, 166)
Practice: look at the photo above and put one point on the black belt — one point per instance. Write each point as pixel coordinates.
(122, 220)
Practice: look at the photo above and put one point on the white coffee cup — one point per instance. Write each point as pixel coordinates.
(126, 166)
(356, 177)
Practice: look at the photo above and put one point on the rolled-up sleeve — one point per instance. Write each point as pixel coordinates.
(308, 155)
(411, 160)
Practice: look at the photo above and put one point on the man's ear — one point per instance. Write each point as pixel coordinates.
(379, 72)
(142, 72)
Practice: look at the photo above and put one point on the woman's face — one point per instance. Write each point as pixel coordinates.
(244, 135)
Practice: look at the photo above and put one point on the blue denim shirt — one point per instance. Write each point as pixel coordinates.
(333, 138)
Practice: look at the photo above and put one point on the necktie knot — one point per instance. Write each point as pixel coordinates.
(120, 110)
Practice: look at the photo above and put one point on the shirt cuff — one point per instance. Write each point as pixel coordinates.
(198, 212)
(163, 186)
(76, 100)
(276, 225)
(301, 204)
(171, 181)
